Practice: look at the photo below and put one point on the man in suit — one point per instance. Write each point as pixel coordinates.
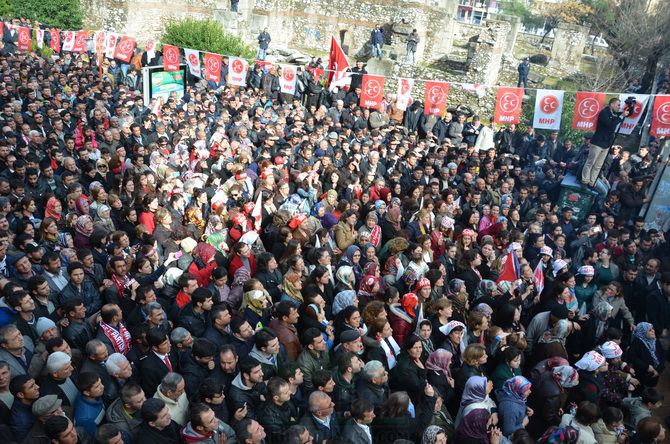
(321, 409)
(158, 361)
(95, 363)
(356, 429)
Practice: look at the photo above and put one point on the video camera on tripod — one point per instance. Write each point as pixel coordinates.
(629, 105)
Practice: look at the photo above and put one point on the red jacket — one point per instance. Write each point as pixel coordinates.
(401, 323)
(236, 263)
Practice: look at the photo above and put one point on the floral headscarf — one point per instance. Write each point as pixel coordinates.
(194, 218)
(565, 376)
(290, 287)
(254, 301)
(50, 210)
(393, 215)
(557, 333)
(640, 333)
(79, 205)
(80, 225)
(474, 426)
(504, 287)
(342, 300)
(516, 386)
(560, 435)
(212, 223)
(344, 274)
(430, 434)
(485, 289)
(440, 360)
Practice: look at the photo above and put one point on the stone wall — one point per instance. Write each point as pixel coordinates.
(485, 52)
(568, 46)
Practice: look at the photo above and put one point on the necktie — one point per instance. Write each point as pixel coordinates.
(167, 363)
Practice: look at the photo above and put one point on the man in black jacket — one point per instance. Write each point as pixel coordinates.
(197, 365)
(373, 385)
(247, 388)
(608, 120)
(278, 413)
(158, 427)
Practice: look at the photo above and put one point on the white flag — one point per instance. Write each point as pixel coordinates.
(237, 74)
(404, 93)
(40, 37)
(193, 61)
(548, 109)
(288, 79)
(631, 121)
(68, 40)
(110, 44)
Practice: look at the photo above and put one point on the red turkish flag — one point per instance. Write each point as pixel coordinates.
(23, 34)
(508, 105)
(55, 41)
(372, 91)
(80, 41)
(660, 119)
(170, 58)
(212, 67)
(436, 98)
(587, 107)
(124, 48)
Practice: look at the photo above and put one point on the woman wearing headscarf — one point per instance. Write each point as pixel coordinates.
(475, 396)
(645, 354)
(352, 257)
(585, 288)
(595, 326)
(512, 399)
(552, 342)
(103, 219)
(394, 266)
(83, 228)
(372, 227)
(549, 397)
(438, 367)
(345, 279)
(459, 298)
(82, 205)
(434, 435)
(591, 367)
(292, 293)
(54, 209)
(475, 429)
(203, 263)
(402, 317)
(255, 307)
(241, 276)
(369, 289)
(390, 224)
(344, 299)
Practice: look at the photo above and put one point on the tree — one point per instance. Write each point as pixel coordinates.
(636, 34)
(569, 11)
(63, 14)
(205, 35)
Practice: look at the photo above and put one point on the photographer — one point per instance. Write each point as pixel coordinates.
(608, 120)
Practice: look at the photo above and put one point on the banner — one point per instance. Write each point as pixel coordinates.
(548, 109)
(338, 75)
(23, 38)
(39, 36)
(237, 73)
(192, 57)
(80, 41)
(404, 93)
(212, 67)
(508, 105)
(110, 44)
(170, 58)
(68, 40)
(436, 98)
(288, 79)
(99, 41)
(55, 41)
(660, 120)
(631, 121)
(150, 49)
(372, 91)
(587, 107)
(124, 49)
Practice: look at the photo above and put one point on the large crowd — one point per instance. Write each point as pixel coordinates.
(146, 298)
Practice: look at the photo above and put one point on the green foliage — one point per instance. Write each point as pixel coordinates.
(519, 9)
(63, 14)
(205, 35)
(5, 8)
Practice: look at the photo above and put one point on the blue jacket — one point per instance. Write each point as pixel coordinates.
(377, 37)
(88, 414)
(21, 420)
(511, 412)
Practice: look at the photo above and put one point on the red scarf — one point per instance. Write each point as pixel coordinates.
(120, 285)
(375, 236)
(120, 339)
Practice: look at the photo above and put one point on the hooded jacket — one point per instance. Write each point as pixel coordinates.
(190, 436)
(126, 423)
(239, 394)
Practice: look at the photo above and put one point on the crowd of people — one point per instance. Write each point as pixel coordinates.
(238, 266)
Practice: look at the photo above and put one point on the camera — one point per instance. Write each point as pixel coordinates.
(630, 103)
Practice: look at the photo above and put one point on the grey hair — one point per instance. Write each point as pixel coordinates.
(314, 400)
(170, 382)
(179, 334)
(151, 306)
(371, 370)
(92, 346)
(4, 331)
(114, 362)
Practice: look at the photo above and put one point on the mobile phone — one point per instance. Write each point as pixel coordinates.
(178, 254)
